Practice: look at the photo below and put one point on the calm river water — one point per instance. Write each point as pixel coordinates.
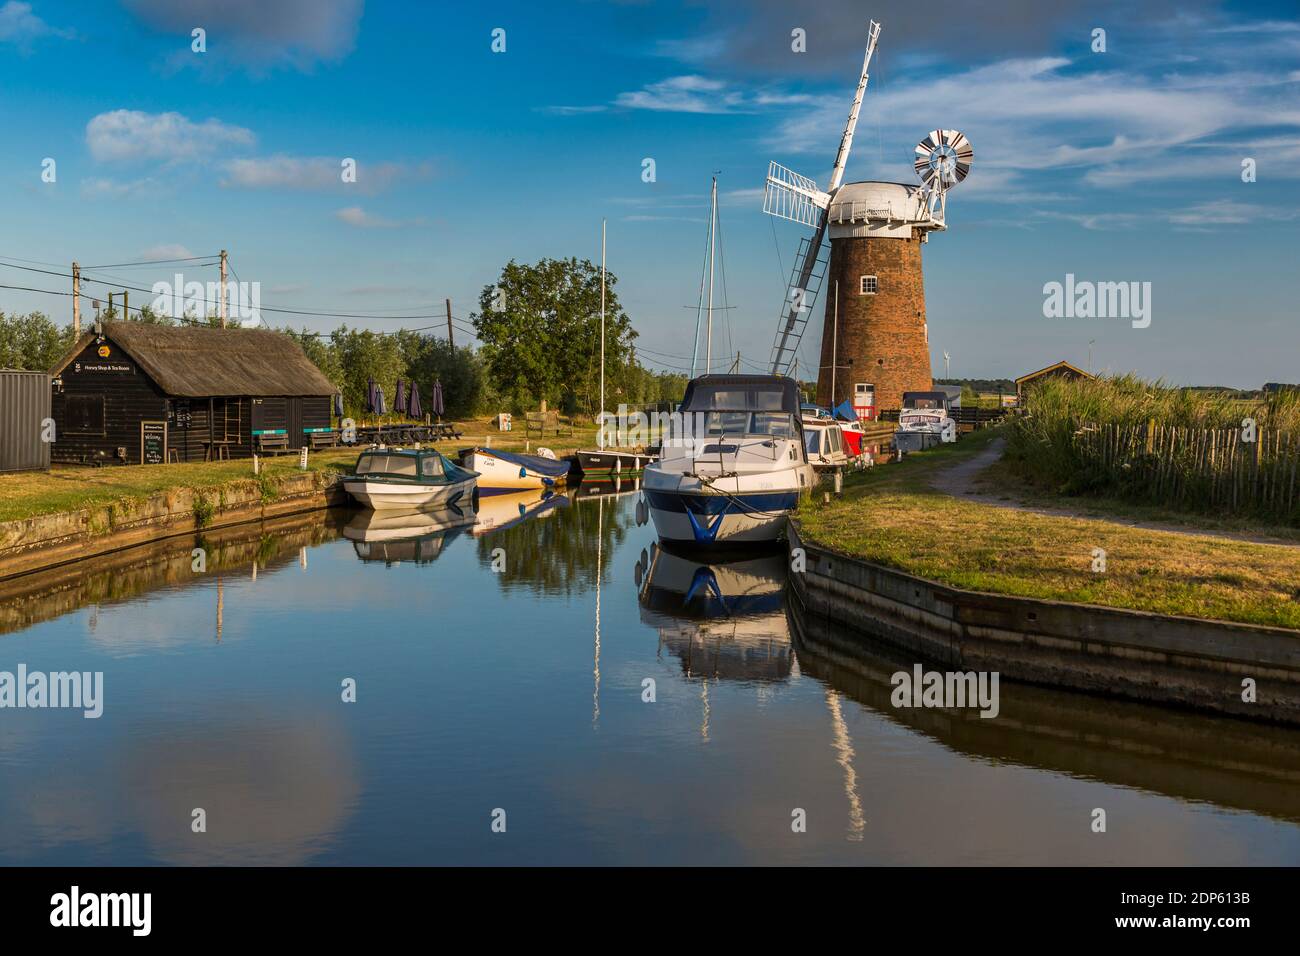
(522, 690)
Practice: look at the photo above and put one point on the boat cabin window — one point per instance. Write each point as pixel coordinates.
(708, 398)
(735, 424)
(834, 435)
(403, 465)
(812, 441)
(925, 402)
(431, 466)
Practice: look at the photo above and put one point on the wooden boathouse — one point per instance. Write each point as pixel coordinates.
(136, 393)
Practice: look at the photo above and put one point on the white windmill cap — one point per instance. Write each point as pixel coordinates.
(890, 210)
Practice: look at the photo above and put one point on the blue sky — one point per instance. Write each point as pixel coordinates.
(1115, 166)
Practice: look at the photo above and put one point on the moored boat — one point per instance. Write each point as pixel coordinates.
(924, 422)
(501, 471)
(607, 462)
(824, 442)
(404, 478)
(735, 466)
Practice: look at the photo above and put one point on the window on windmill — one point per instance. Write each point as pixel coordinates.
(869, 285)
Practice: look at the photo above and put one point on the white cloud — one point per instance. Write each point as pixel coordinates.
(19, 25)
(256, 34)
(1028, 117)
(358, 217)
(167, 250)
(105, 188)
(281, 171)
(134, 135)
(572, 110)
(1228, 212)
(683, 94)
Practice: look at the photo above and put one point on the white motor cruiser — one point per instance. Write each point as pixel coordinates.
(924, 421)
(735, 465)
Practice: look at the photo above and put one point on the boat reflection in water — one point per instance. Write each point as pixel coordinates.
(499, 511)
(724, 620)
(418, 535)
(609, 488)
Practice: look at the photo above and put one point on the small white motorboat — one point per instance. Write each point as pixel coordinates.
(405, 478)
(738, 466)
(502, 471)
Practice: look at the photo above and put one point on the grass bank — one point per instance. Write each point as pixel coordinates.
(892, 515)
(69, 488)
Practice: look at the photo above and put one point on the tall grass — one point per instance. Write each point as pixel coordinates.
(1054, 443)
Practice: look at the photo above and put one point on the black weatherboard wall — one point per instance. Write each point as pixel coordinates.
(184, 388)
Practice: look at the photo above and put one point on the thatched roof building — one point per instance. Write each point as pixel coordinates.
(139, 393)
(199, 361)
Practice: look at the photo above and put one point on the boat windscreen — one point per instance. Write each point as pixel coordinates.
(737, 424)
(709, 398)
(381, 464)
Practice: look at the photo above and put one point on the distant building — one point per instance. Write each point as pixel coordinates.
(1280, 388)
(1059, 370)
(138, 393)
(953, 392)
(24, 413)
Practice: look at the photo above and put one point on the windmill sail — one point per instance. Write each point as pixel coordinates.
(795, 197)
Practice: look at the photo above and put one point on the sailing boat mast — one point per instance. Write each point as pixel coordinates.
(600, 420)
(713, 233)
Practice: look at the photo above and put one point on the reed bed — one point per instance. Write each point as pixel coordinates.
(1141, 441)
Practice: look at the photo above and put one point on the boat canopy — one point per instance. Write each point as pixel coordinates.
(549, 467)
(742, 393)
(921, 400)
(426, 464)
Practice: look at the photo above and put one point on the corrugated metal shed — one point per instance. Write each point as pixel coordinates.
(24, 406)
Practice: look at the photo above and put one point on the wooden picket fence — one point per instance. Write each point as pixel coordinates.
(1204, 468)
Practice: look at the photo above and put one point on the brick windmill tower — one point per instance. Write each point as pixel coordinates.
(875, 343)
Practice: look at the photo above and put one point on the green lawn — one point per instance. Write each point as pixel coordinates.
(891, 515)
(71, 488)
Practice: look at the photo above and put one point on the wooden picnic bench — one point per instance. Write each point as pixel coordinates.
(546, 423)
(273, 443)
(405, 433)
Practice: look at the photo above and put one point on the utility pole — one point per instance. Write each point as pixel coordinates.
(221, 298)
(126, 306)
(1090, 341)
(450, 341)
(76, 301)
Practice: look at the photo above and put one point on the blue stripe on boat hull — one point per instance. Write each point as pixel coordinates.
(717, 504)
